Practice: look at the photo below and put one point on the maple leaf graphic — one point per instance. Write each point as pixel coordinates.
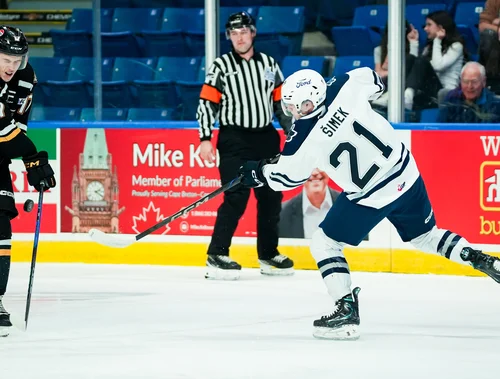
(142, 222)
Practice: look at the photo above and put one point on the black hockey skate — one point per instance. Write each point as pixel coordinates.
(5, 323)
(343, 323)
(277, 265)
(221, 267)
(483, 262)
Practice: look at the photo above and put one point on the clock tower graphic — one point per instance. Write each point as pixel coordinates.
(95, 188)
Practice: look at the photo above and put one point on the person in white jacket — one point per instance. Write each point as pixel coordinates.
(337, 131)
(440, 63)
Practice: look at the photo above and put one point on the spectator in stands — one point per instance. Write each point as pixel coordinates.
(472, 102)
(380, 55)
(489, 43)
(439, 65)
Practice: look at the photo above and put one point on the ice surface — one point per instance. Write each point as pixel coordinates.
(99, 321)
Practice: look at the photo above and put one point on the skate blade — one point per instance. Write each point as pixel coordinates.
(4, 331)
(344, 333)
(214, 273)
(273, 271)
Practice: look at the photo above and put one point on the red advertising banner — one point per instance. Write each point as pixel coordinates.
(128, 180)
(462, 175)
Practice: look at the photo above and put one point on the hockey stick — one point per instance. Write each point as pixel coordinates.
(33, 257)
(113, 240)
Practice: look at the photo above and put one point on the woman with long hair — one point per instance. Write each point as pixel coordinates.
(440, 64)
(380, 56)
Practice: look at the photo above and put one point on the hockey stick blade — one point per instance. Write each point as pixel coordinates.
(110, 240)
(113, 240)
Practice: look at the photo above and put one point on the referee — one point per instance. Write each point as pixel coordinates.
(241, 90)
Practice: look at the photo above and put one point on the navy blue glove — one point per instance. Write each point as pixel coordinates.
(251, 174)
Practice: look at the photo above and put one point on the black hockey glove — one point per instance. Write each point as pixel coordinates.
(39, 171)
(251, 174)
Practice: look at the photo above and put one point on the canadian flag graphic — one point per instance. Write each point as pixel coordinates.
(149, 216)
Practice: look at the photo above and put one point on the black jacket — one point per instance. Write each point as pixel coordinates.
(291, 223)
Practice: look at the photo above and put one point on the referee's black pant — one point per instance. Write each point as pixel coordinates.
(235, 147)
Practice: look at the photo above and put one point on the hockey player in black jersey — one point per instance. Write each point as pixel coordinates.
(17, 80)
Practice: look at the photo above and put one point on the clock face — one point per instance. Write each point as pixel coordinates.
(95, 191)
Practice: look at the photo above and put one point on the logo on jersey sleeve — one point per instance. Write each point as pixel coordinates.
(292, 133)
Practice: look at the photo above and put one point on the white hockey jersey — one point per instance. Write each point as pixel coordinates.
(353, 144)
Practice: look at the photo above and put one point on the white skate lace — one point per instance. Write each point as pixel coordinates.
(279, 258)
(225, 258)
(335, 311)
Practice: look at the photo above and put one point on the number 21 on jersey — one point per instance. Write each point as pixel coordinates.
(361, 131)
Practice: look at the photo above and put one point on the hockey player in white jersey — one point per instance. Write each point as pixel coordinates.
(336, 130)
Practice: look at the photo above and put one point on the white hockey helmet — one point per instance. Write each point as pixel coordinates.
(301, 86)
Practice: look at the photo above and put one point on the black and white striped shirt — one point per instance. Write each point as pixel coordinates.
(241, 94)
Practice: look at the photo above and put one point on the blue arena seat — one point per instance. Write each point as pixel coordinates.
(136, 20)
(82, 68)
(170, 39)
(189, 93)
(292, 63)
(274, 45)
(355, 40)
(81, 19)
(177, 68)
(468, 13)
(129, 69)
(182, 19)
(196, 43)
(311, 7)
(155, 94)
(152, 114)
(71, 43)
(50, 68)
(165, 44)
(66, 94)
(120, 44)
(365, 32)
(190, 3)
(108, 114)
(344, 64)
(116, 3)
(243, 3)
(341, 13)
(54, 114)
(152, 3)
(374, 16)
(115, 95)
(288, 22)
(467, 20)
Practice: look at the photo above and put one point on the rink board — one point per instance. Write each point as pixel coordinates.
(194, 254)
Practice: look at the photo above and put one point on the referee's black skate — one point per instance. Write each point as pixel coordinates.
(5, 323)
(277, 265)
(343, 323)
(483, 262)
(221, 267)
